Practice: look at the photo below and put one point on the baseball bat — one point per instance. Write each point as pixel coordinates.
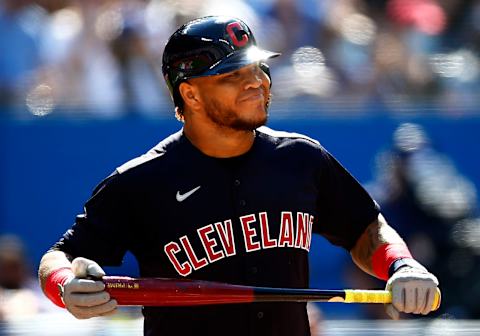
(183, 292)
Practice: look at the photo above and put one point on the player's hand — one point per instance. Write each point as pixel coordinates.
(85, 298)
(413, 291)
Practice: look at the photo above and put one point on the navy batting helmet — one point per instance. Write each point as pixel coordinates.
(209, 46)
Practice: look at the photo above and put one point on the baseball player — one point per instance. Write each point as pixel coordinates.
(226, 199)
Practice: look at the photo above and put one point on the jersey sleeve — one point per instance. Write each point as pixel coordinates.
(345, 208)
(101, 232)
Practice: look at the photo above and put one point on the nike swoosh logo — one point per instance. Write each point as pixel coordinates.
(183, 197)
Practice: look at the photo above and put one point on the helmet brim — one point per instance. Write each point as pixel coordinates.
(240, 59)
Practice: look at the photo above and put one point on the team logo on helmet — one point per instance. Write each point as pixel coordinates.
(237, 33)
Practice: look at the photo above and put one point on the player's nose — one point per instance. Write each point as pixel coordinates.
(253, 77)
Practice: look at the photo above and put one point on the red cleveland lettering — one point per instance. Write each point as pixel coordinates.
(226, 237)
(286, 230)
(197, 264)
(266, 241)
(302, 234)
(249, 233)
(171, 249)
(209, 243)
(299, 237)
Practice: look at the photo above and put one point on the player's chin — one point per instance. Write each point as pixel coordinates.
(259, 115)
(254, 113)
(250, 124)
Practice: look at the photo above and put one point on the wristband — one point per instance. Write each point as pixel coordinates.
(385, 255)
(54, 285)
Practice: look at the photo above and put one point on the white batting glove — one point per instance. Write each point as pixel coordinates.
(85, 298)
(413, 291)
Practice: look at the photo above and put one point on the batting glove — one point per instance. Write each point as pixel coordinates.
(85, 298)
(413, 291)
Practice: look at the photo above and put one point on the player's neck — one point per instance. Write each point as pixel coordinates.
(216, 141)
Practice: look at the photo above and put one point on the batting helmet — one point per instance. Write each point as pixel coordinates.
(209, 46)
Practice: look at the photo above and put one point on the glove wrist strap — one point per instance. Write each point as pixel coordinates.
(405, 262)
(54, 285)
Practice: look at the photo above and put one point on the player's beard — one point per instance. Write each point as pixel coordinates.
(227, 117)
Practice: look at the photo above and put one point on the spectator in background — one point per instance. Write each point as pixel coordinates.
(80, 70)
(20, 294)
(434, 207)
(19, 56)
(136, 59)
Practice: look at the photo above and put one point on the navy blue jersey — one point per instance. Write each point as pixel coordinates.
(243, 220)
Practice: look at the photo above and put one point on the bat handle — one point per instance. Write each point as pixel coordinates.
(381, 296)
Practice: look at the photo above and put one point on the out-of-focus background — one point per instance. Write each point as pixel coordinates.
(390, 87)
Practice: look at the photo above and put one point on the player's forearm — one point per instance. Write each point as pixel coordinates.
(375, 235)
(50, 262)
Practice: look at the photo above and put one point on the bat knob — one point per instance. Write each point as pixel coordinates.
(437, 299)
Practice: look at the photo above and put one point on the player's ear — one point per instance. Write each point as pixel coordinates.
(189, 94)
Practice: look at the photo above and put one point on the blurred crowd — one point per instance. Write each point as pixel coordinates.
(104, 56)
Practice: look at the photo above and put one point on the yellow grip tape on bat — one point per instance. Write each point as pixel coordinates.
(381, 296)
